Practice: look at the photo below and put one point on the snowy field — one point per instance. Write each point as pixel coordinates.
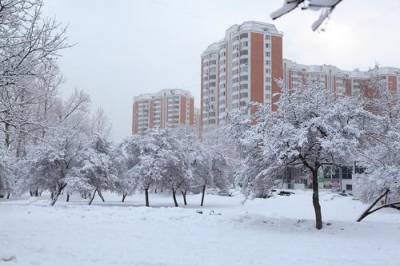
(277, 231)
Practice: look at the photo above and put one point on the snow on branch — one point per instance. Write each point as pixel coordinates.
(326, 7)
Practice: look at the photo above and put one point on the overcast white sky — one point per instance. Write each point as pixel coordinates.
(127, 47)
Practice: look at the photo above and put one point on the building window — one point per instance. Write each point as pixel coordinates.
(347, 172)
(244, 35)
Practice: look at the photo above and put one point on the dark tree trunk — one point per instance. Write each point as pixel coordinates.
(124, 196)
(67, 197)
(8, 195)
(35, 193)
(57, 194)
(184, 198)
(368, 211)
(51, 195)
(317, 206)
(174, 197)
(92, 198)
(146, 193)
(7, 138)
(100, 195)
(202, 195)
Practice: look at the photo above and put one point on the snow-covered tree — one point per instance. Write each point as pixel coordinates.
(220, 171)
(311, 128)
(206, 162)
(379, 156)
(142, 162)
(29, 46)
(200, 164)
(5, 175)
(53, 163)
(126, 157)
(174, 171)
(96, 168)
(29, 79)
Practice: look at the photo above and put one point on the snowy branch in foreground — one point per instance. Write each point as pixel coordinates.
(326, 7)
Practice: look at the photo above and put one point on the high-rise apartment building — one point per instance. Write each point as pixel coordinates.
(166, 109)
(240, 69)
(340, 82)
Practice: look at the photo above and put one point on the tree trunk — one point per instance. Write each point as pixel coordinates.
(174, 197)
(317, 206)
(124, 196)
(7, 138)
(92, 198)
(100, 195)
(67, 197)
(8, 195)
(51, 195)
(35, 193)
(57, 194)
(368, 211)
(146, 193)
(184, 198)
(202, 195)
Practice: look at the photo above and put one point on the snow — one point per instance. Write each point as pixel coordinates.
(230, 231)
(326, 7)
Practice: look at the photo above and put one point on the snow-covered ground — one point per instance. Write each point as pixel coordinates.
(276, 231)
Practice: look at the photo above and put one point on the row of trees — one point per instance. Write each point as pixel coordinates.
(80, 160)
(313, 128)
(51, 144)
(173, 160)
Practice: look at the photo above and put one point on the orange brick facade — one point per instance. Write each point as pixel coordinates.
(239, 71)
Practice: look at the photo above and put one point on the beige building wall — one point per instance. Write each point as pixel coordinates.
(341, 82)
(166, 109)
